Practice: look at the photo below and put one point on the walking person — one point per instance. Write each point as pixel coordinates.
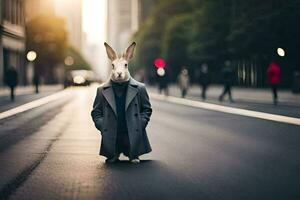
(204, 80)
(36, 83)
(274, 79)
(11, 80)
(163, 82)
(228, 80)
(183, 81)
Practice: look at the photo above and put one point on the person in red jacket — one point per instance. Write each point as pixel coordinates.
(274, 79)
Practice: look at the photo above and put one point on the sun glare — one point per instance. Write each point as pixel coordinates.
(94, 20)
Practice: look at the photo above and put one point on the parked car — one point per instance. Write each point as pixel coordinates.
(79, 77)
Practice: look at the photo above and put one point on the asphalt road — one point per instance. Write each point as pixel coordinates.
(51, 152)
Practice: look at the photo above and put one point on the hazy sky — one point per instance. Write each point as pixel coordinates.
(94, 20)
(94, 25)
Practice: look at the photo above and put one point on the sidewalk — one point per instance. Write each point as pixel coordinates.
(21, 90)
(245, 98)
(251, 95)
(24, 95)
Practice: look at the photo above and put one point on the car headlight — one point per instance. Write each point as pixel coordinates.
(78, 79)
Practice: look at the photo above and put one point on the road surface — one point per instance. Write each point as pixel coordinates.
(51, 152)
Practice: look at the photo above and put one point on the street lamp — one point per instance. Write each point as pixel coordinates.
(31, 57)
(160, 71)
(160, 64)
(69, 61)
(280, 52)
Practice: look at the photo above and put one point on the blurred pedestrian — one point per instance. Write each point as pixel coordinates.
(140, 75)
(204, 80)
(228, 76)
(36, 82)
(163, 82)
(274, 79)
(11, 80)
(183, 81)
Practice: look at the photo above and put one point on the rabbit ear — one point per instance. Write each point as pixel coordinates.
(110, 52)
(129, 52)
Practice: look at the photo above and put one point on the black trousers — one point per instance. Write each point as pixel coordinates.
(122, 143)
(203, 93)
(183, 92)
(274, 92)
(163, 88)
(12, 93)
(227, 90)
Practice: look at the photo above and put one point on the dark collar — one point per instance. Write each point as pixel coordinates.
(119, 84)
(108, 83)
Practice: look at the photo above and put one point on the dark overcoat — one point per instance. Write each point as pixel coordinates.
(138, 111)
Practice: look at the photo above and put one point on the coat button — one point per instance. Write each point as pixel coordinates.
(136, 114)
(135, 104)
(137, 129)
(105, 129)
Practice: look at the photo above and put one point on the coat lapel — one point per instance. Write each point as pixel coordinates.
(131, 92)
(108, 93)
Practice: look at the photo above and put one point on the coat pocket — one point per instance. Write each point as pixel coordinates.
(99, 123)
(144, 123)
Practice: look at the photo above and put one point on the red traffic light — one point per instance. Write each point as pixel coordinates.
(159, 63)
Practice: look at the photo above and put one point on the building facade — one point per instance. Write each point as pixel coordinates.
(34, 8)
(12, 37)
(122, 22)
(71, 11)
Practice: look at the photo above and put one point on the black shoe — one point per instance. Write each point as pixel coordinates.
(113, 159)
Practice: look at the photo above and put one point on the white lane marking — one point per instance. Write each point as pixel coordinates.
(33, 104)
(226, 109)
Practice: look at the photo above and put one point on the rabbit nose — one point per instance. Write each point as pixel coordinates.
(119, 73)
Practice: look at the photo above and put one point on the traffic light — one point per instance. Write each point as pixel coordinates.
(160, 64)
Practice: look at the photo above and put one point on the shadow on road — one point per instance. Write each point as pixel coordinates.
(124, 180)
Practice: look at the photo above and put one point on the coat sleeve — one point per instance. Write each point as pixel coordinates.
(97, 112)
(146, 109)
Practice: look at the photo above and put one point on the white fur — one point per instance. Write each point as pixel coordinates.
(119, 70)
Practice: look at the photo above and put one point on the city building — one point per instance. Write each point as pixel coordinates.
(34, 8)
(12, 36)
(122, 22)
(71, 11)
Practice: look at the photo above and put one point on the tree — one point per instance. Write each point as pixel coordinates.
(149, 36)
(176, 38)
(246, 32)
(47, 36)
(79, 62)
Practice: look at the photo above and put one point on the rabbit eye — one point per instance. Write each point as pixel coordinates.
(126, 65)
(113, 66)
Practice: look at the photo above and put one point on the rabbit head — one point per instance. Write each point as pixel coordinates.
(119, 71)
